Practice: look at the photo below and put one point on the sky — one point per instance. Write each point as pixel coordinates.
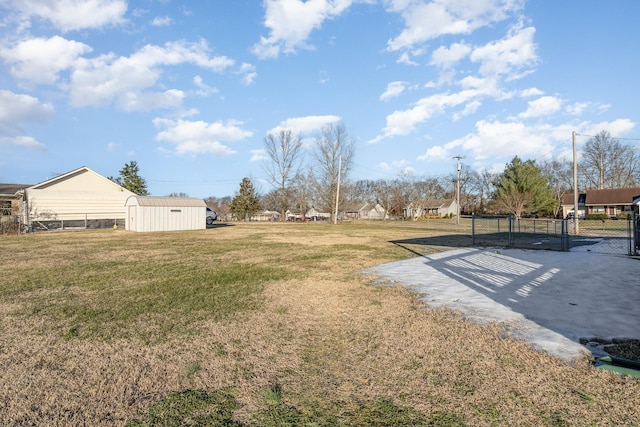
(190, 90)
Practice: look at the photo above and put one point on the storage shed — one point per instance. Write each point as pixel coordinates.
(147, 213)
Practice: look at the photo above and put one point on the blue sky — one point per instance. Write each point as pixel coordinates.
(189, 90)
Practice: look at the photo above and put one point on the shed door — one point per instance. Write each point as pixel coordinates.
(131, 218)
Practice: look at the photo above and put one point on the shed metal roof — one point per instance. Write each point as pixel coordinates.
(168, 201)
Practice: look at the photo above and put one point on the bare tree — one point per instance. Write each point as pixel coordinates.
(284, 150)
(392, 196)
(302, 197)
(482, 185)
(420, 190)
(606, 163)
(467, 185)
(560, 175)
(383, 192)
(334, 154)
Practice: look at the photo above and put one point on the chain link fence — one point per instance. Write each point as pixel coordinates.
(603, 236)
(15, 224)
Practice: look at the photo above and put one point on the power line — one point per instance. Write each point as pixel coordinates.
(551, 151)
(612, 137)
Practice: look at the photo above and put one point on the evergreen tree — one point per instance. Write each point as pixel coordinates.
(246, 202)
(130, 179)
(523, 188)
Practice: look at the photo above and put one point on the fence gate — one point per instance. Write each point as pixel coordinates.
(604, 236)
(636, 233)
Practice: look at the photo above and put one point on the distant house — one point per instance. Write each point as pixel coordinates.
(439, 208)
(315, 215)
(266, 216)
(355, 211)
(612, 202)
(377, 212)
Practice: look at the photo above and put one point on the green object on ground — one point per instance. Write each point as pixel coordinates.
(619, 366)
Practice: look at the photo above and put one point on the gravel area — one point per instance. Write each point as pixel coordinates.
(625, 349)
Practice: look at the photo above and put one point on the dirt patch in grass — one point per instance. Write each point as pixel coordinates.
(323, 345)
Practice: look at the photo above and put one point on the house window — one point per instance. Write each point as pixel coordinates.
(5, 207)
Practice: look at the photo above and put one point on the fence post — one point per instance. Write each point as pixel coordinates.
(473, 229)
(509, 237)
(634, 242)
(564, 235)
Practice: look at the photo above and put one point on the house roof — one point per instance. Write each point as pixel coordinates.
(71, 174)
(610, 196)
(167, 201)
(12, 189)
(438, 203)
(355, 207)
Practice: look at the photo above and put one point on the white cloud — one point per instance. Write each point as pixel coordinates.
(132, 101)
(69, 15)
(162, 21)
(577, 108)
(469, 109)
(258, 155)
(404, 122)
(290, 22)
(513, 56)
(425, 21)
(199, 137)
(248, 71)
(617, 128)
(17, 111)
(40, 60)
(446, 58)
(438, 152)
(99, 81)
(22, 141)
(393, 89)
(542, 106)
(304, 125)
(203, 88)
(396, 166)
(497, 140)
(531, 92)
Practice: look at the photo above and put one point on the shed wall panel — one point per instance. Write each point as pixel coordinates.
(149, 218)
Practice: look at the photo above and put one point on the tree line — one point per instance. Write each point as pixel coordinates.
(323, 181)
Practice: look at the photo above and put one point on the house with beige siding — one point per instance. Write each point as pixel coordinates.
(79, 198)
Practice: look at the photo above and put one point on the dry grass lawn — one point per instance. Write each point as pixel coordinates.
(264, 324)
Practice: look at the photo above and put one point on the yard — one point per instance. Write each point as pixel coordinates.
(265, 324)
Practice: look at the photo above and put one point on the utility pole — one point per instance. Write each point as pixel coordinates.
(458, 191)
(575, 184)
(335, 218)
